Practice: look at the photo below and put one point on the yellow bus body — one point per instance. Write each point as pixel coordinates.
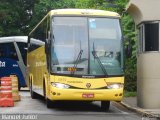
(38, 74)
(80, 85)
(84, 12)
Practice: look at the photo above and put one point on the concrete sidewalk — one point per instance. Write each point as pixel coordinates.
(131, 103)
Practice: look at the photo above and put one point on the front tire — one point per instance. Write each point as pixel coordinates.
(33, 94)
(50, 104)
(105, 105)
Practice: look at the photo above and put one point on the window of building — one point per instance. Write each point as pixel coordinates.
(149, 37)
(152, 37)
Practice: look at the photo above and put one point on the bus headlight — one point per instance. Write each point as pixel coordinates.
(115, 86)
(60, 85)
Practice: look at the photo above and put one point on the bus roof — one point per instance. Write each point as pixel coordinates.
(14, 39)
(79, 12)
(84, 12)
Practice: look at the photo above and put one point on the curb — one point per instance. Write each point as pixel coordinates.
(140, 111)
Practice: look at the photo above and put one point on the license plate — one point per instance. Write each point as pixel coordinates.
(87, 95)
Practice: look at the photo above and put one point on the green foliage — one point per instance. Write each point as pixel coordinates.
(130, 63)
(130, 94)
(14, 16)
(18, 17)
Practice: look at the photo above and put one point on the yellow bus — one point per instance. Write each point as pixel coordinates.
(81, 58)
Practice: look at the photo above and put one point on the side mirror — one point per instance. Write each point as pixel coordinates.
(46, 48)
(27, 46)
(47, 42)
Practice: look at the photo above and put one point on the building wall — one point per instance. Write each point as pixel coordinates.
(144, 10)
(148, 83)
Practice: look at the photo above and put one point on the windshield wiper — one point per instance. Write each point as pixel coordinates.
(76, 62)
(98, 60)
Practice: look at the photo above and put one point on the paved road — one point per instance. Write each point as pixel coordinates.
(29, 108)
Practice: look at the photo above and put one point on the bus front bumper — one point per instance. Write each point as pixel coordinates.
(86, 95)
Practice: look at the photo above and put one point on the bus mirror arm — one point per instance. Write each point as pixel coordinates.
(46, 46)
(48, 37)
(47, 42)
(26, 48)
(47, 52)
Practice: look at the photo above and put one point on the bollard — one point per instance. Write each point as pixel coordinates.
(6, 99)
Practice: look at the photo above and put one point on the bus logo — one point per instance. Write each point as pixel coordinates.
(2, 64)
(88, 85)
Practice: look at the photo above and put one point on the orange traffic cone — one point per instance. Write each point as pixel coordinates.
(6, 99)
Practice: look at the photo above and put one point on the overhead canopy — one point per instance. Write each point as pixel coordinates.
(144, 10)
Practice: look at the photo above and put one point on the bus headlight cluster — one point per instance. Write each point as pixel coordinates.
(115, 86)
(60, 85)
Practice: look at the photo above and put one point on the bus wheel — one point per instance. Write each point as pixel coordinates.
(50, 104)
(44, 90)
(105, 105)
(33, 94)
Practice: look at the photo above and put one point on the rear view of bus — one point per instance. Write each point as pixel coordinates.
(82, 58)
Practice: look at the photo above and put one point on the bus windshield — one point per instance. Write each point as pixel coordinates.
(7, 50)
(86, 46)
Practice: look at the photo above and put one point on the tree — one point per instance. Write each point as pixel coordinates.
(42, 7)
(15, 16)
(130, 63)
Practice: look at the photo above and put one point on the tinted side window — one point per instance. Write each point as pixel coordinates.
(40, 33)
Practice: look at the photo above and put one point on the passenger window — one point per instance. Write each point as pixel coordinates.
(149, 37)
